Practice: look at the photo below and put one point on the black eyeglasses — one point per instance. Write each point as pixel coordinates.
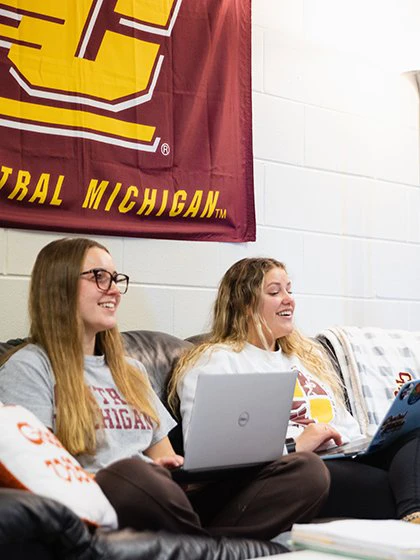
(104, 279)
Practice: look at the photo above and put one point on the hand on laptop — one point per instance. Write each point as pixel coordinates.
(316, 435)
(170, 461)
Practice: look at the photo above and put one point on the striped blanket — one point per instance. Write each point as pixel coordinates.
(374, 364)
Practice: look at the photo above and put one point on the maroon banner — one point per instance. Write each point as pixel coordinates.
(127, 117)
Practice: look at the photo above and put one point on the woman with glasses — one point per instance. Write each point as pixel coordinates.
(74, 376)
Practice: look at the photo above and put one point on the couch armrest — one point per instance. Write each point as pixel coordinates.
(131, 545)
(29, 518)
(51, 530)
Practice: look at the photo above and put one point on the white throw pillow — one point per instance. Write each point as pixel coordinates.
(32, 458)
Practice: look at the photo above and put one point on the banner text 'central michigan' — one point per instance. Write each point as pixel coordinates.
(127, 117)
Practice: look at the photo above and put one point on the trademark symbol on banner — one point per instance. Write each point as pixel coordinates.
(221, 213)
(165, 149)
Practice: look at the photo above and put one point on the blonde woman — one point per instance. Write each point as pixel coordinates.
(74, 376)
(253, 330)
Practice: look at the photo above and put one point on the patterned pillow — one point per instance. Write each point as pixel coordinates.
(32, 458)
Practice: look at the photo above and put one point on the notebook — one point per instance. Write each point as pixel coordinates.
(386, 539)
(237, 421)
(402, 417)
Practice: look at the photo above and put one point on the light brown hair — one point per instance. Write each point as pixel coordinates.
(57, 328)
(237, 308)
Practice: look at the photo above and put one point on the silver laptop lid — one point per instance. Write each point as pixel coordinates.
(239, 419)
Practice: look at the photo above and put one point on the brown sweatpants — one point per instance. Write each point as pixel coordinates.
(259, 505)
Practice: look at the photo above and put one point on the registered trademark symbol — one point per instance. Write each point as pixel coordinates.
(165, 149)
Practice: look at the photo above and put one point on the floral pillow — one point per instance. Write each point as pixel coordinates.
(32, 458)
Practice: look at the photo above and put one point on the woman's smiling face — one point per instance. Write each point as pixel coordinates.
(97, 309)
(276, 305)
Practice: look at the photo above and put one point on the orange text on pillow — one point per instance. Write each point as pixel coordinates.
(68, 470)
(37, 435)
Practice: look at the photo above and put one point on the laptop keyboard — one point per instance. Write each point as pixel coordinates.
(354, 446)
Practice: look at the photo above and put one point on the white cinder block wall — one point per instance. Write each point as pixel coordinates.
(336, 147)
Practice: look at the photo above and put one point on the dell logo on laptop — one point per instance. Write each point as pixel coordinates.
(243, 419)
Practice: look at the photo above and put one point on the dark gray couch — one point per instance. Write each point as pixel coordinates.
(38, 528)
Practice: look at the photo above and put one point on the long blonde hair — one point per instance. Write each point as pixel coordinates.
(237, 308)
(57, 328)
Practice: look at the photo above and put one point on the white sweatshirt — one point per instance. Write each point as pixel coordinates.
(312, 399)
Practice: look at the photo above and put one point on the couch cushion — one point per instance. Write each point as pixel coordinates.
(158, 352)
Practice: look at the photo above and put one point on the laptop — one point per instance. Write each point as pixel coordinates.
(402, 417)
(237, 421)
